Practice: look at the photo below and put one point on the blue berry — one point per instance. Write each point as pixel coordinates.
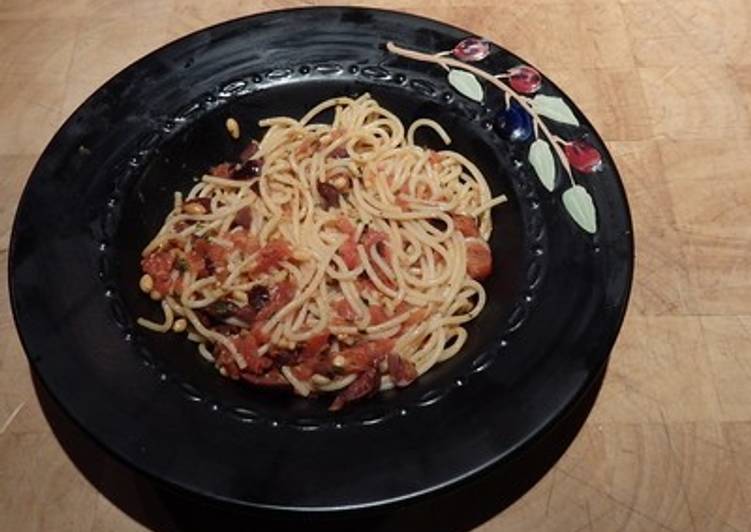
(514, 123)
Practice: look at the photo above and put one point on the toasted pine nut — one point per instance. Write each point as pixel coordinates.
(340, 182)
(326, 139)
(240, 296)
(179, 325)
(193, 207)
(233, 128)
(156, 296)
(301, 254)
(339, 361)
(146, 284)
(285, 344)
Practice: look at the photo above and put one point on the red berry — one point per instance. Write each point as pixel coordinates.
(525, 79)
(471, 49)
(583, 157)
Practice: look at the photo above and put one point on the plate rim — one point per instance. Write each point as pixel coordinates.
(555, 415)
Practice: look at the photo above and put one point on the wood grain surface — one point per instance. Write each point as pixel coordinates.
(667, 83)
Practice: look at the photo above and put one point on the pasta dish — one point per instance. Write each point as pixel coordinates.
(330, 257)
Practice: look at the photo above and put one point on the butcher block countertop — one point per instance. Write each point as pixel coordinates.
(667, 83)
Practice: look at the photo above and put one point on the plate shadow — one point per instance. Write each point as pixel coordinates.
(163, 509)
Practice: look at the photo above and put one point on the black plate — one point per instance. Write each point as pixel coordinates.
(103, 185)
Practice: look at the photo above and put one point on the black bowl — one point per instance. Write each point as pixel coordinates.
(100, 191)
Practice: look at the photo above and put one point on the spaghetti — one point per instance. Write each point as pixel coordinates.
(335, 257)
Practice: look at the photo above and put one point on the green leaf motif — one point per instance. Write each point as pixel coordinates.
(580, 206)
(554, 108)
(541, 159)
(467, 84)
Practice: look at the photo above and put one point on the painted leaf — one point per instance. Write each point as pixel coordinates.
(467, 84)
(554, 108)
(541, 159)
(580, 206)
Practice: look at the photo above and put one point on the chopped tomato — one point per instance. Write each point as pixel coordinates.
(377, 314)
(348, 252)
(479, 259)
(214, 254)
(365, 285)
(345, 225)
(465, 225)
(314, 359)
(221, 170)
(363, 386)
(379, 239)
(246, 346)
(177, 286)
(257, 331)
(344, 309)
(196, 263)
(279, 296)
(401, 370)
(320, 365)
(303, 371)
(371, 237)
(271, 255)
(434, 157)
(223, 359)
(417, 315)
(244, 241)
(159, 266)
(365, 355)
(308, 146)
(316, 345)
(245, 314)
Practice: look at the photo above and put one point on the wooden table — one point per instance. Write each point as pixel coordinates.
(667, 83)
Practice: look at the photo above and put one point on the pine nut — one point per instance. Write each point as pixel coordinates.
(146, 283)
(193, 208)
(233, 128)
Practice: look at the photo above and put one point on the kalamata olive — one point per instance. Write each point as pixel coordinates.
(220, 310)
(340, 152)
(225, 329)
(285, 357)
(249, 151)
(248, 170)
(243, 218)
(329, 194)
(437, 223)
(258, 296)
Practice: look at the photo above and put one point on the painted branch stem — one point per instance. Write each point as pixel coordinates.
(443, 60)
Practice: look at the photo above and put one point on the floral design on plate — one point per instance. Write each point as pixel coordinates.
(526, 119)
